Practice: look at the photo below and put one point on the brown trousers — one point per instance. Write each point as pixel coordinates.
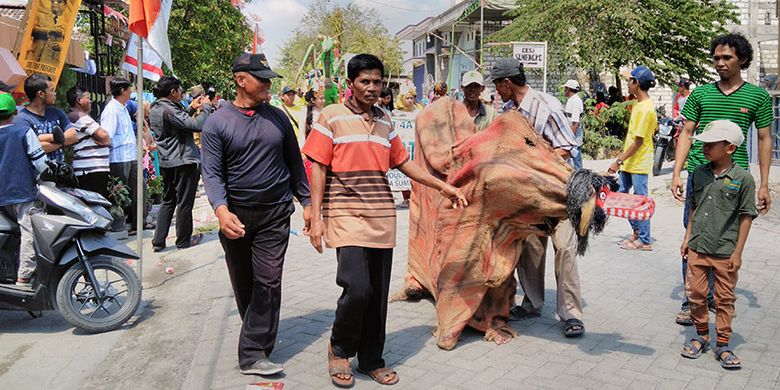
(699, 266)
(531, 269)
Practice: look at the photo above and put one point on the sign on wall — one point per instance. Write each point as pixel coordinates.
(533, 55)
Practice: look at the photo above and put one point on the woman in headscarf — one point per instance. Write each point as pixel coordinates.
(406, 101)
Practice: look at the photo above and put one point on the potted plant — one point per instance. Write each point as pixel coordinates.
(119, 196)
(155, 188)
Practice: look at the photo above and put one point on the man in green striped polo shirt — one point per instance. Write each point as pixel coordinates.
(729, 98)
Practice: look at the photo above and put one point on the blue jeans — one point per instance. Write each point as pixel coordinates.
(639, 183)
(576, 156)
(710, 296)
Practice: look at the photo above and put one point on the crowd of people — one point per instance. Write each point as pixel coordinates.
(256, 158)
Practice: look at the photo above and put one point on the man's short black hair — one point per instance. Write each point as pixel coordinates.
(119, 85)
(74, 94)
(518, 79)
(35, 83)
(165, 86)
(363, 62)
(739, 43)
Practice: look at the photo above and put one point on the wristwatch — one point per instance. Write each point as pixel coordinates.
(619, 162)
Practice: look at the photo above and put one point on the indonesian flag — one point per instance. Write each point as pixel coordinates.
(152, 67)
(149, 19)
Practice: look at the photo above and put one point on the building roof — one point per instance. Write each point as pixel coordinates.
(465, 11)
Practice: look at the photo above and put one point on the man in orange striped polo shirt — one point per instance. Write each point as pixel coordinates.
(352, 146)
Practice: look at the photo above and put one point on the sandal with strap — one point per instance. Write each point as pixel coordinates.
(382, 375)
(731, 361)
(339, 366)
(573, 328)
(691, 351)
(684, 318)
(636, 246)
(518, 313)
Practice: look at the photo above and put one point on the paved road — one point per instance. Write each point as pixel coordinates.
(187, 337)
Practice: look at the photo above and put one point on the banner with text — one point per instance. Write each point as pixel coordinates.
(47, 36)
(403, 124)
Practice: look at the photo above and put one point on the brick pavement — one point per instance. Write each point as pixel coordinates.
(631, 341)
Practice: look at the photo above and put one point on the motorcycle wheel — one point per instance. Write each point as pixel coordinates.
(78, 304)
(658, 159)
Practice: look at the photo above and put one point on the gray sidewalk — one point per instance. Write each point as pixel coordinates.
(631, 339)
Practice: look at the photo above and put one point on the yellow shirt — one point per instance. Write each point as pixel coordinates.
(643, 124)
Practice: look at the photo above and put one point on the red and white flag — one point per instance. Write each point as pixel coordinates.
(149, 19)
(152, 67)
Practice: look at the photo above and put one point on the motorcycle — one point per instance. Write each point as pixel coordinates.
(665, 141)
(81, 271)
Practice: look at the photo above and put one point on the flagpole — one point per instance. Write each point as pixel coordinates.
(481, 31)
(139, 193)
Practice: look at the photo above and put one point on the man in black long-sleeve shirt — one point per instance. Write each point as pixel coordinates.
(252, 168)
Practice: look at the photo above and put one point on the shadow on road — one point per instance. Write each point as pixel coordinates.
(305, 330)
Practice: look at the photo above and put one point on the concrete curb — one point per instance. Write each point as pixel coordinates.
(204, 360)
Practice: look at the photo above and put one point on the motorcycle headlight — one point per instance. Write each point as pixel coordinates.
(665, 130)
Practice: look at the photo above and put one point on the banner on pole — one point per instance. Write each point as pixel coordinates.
(404, 127)
(152, 66)
(533, 55)
(47, 36)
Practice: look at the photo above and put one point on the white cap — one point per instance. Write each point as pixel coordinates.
(572, 84)
(471, 77)
(721, 130)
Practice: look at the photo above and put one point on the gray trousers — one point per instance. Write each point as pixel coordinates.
(21, 213)
(531, 267)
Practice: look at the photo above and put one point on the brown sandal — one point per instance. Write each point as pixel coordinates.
(382, 375)
(339, 366)
(636, 246)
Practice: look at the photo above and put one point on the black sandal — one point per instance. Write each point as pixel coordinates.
(518, 313)
(695, 352)
(731, 361)
(573, 328)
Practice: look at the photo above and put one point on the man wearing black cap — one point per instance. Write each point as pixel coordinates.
(252, 168)
(546, 115)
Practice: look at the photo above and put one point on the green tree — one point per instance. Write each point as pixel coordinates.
(206, 37)
(359, 30)
(672, 37)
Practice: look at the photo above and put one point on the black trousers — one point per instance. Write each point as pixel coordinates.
(179, 187)
(359, 327)
(95, 182)
(255, 263)
(126, 171)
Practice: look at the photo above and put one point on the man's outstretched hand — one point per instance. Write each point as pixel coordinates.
(454, 195)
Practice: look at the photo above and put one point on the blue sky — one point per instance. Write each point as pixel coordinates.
(281, 17)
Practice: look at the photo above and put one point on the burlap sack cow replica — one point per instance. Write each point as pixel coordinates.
(516, 186)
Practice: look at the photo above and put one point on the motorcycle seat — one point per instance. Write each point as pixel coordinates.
(8, 224)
